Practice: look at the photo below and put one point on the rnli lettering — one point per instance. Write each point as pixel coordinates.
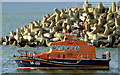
(34, 63)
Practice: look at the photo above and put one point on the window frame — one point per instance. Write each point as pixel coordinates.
(58, 46)
(64, 47)
(77, 48)
(54, 46)
(72, 48)
(67, 46)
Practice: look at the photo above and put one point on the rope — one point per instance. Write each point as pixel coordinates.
(7, 61)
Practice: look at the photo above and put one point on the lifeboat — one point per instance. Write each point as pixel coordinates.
(71, 53)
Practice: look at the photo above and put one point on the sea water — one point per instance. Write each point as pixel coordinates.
(17, 14)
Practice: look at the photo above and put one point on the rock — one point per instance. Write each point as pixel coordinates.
(117, 22)
(101, 36)
(110, 10)
(70, 13)
(101, 7)
(12, 33)
(116, 42)
(48, 15)
(86, 38)
(57, 28)
(30, 44)
(62, 11)
(107, 45)
(29, 38)
(48, 35)
(86, 1)
(54, 39)
(86, 4)
(6, 38)
(15, 43)
(11, 40)
(107, 30)
(110, 39)
(1, 40)
(17, 36)
(31, 26)
(27, 45)
(82, 18)
(59, 35)
(95, 16)
(57, 18)
(109, 16)
(100, 21)
(5, 43)
(64, 16)
(67, 9)
(44, 19)
(96, 29)
(60, 22)
(95, 40)
(117, 32)
(18, 30)
(27, 31)
(57, 12)
(51, 18)
(117, 9)
(36, 23)
(47, 42)
(113, 7)
(86, 9)
(90, 10)
(110, 23)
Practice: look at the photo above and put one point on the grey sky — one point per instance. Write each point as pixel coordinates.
(59, 0)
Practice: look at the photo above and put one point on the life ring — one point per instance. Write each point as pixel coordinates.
(29, 54)
(108, 52)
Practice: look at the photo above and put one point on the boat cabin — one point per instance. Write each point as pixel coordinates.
(70, 48)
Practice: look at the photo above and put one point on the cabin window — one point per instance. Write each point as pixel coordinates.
(77, 48)
(54, 47)
(72, 47)
(63, 47)
(59, 47)
(68, 47)
(69, 54)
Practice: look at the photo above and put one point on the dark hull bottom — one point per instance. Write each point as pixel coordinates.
(82, 68)
(61, 64)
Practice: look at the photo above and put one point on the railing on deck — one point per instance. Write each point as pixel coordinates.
(85, 56)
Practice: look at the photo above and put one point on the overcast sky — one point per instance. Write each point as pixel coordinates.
(59, 0)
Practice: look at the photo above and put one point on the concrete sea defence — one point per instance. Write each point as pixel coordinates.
(102, 27)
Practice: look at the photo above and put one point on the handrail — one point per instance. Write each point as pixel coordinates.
(79, 56)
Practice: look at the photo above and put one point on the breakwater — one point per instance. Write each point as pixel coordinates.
(102, 27)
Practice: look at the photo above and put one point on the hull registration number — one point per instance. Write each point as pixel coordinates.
(34, 63)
